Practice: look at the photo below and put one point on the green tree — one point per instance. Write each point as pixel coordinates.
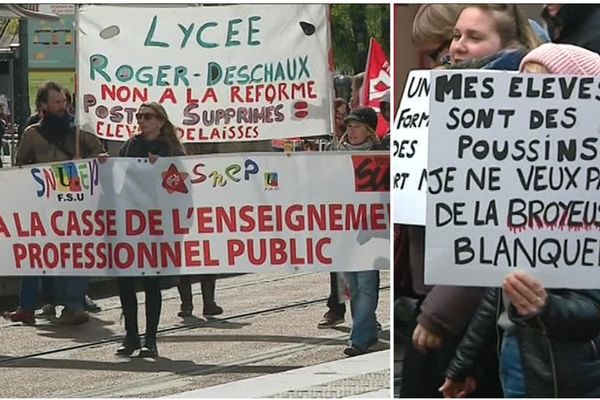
(352, 26)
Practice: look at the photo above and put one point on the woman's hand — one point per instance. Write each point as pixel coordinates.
(425, 340)
(152, 158)
(103, 157)
(452, 389)
(525, 293)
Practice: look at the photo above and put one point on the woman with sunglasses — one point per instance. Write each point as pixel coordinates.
(157, 139)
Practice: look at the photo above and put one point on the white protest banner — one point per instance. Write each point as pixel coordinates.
(409, 150)
(223, 73)
(514, 180)
(198, 214)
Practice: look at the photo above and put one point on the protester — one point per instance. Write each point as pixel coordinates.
(549, 345)
(208, 281)
(157, 139)
(336, 312)
(432, 31)
(49, 296)
(364, 285)
(576, 24)
(341, 112)
(491, 37)
(53, 139)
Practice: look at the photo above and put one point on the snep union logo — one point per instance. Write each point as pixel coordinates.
(70, 181)
(271, 181)
(173, 180)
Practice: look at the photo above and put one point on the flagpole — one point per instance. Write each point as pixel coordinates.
(76, 91)
(364, 90)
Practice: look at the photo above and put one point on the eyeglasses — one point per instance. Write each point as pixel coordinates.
(145, 116)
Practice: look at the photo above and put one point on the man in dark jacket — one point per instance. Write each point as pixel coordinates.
(576, 24)
(53, 139)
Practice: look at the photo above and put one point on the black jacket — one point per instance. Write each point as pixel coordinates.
(137, 146)
(560, 347)
(580, 25)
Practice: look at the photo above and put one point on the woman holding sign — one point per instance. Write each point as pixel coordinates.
(157, 138)
(550, 346)
(479, 36)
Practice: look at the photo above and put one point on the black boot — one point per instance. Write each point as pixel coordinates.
(153, 307)
(185, 293)
(129, 305)
(149, 350)
(208, 284)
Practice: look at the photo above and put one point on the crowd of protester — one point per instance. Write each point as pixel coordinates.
(50, 136)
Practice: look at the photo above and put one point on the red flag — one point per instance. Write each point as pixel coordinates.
(376, 83)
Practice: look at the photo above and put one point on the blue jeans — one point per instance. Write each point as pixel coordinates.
(364, 289)
(71, 291)
(49, 289)
(29, 293)
(511, 367)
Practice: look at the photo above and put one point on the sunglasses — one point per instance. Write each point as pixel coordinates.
(145, 116)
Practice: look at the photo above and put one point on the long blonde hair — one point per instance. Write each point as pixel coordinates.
(512, 25)
(167, 131)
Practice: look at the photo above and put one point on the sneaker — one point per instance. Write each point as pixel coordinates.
(184, 313)
(90, 305)
(127, 349)
(73, 317)
(26, 317)
(330, 320)
(47, 311)
(353, 351)
(148, 351)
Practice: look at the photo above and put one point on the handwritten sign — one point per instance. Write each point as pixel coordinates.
(514, 180)
(409, 150)
(226, 73)
(197, 215)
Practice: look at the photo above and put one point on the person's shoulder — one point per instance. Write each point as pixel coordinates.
(33, 119)
(32, 130)
(127, 145)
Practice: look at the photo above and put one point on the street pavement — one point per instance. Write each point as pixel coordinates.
(269, 328)
(365, 376)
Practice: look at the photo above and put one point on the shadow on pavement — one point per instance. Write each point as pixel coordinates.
(135, 364)
(252, 338)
